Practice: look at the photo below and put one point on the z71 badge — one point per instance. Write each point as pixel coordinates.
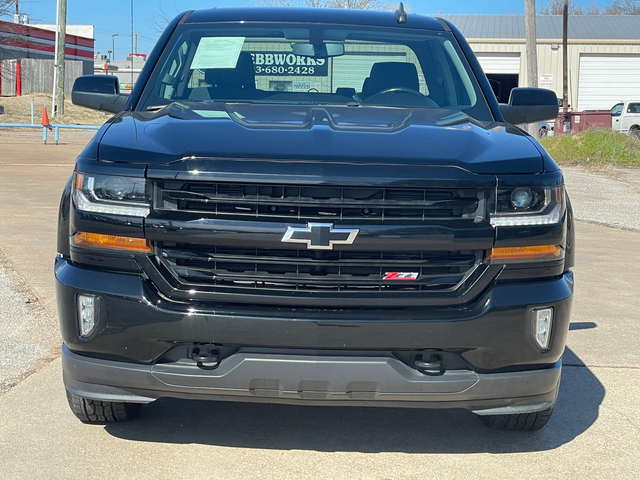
(400, 276)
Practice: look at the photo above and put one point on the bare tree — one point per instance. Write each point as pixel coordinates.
(554, 7)
(159, 21)
(353, 4)
(7, 7)
(356, 4)
(615, 7)
(623, 7)
(276, 3)
(594, 9)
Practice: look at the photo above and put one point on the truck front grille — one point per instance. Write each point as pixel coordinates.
(284, 202)
(282, 271)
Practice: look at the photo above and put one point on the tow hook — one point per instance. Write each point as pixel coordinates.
(207, 358)
(431, 366)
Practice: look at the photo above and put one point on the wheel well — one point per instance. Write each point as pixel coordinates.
(570, 253)
(63, 220)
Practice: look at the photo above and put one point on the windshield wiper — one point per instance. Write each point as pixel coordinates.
(155, 108)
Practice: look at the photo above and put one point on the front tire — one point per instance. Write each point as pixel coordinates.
(94, 411)
(524, 422)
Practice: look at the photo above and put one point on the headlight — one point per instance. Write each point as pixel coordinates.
(523, 198)
(523, 206)
(111, 194)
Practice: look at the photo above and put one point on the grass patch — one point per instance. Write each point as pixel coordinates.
(597, 147)
(18, 110)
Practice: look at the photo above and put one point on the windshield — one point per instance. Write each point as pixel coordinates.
(285, 64)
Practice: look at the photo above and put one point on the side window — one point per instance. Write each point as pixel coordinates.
(634, 108)
(171, 72)
(465, 94)
(616, 111)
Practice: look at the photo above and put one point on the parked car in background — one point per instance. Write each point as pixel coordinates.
(545, 129)
(625, 117)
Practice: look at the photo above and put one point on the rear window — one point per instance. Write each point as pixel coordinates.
(317, 64)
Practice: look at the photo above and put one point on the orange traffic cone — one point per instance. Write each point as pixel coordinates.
(45, 118)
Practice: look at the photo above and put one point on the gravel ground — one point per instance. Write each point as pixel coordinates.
(20, 319)
(609, 197)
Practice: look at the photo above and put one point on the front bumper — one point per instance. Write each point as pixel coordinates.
(137, 325)
(312, 380)
(312, 356)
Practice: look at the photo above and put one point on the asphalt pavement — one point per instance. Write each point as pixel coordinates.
(594, 432)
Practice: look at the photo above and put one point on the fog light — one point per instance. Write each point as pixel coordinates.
(87, 313)
(542, 326)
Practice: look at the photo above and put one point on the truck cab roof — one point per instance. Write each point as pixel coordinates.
(314, 15)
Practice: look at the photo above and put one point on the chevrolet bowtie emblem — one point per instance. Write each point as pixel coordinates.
(320, 236)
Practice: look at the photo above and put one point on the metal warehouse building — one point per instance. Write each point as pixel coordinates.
(603, 54)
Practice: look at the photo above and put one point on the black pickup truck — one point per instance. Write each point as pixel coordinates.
(319, 207)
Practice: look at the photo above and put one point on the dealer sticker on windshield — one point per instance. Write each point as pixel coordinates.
(217, 52)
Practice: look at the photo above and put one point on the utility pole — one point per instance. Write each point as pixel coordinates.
(532, 40)
(131, 43)
(60, 60)
(565, 60)
(17, 8)
(113, 45)
(532, 53)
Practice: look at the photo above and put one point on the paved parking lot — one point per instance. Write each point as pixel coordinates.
(595, 431)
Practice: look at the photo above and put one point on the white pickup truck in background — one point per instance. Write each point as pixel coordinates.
(625, 118)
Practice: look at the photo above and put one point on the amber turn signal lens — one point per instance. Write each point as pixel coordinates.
(79, 180)
(516, 253)
(112, 241)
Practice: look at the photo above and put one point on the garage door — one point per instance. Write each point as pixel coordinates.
(607, 80)
(505, 63)
(350, 70)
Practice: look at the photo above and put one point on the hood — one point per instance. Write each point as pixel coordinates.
(368, 135)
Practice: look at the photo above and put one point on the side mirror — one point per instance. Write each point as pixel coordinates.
(530, 105)
(99, 92)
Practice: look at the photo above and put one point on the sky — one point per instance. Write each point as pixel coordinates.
(114, 16)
